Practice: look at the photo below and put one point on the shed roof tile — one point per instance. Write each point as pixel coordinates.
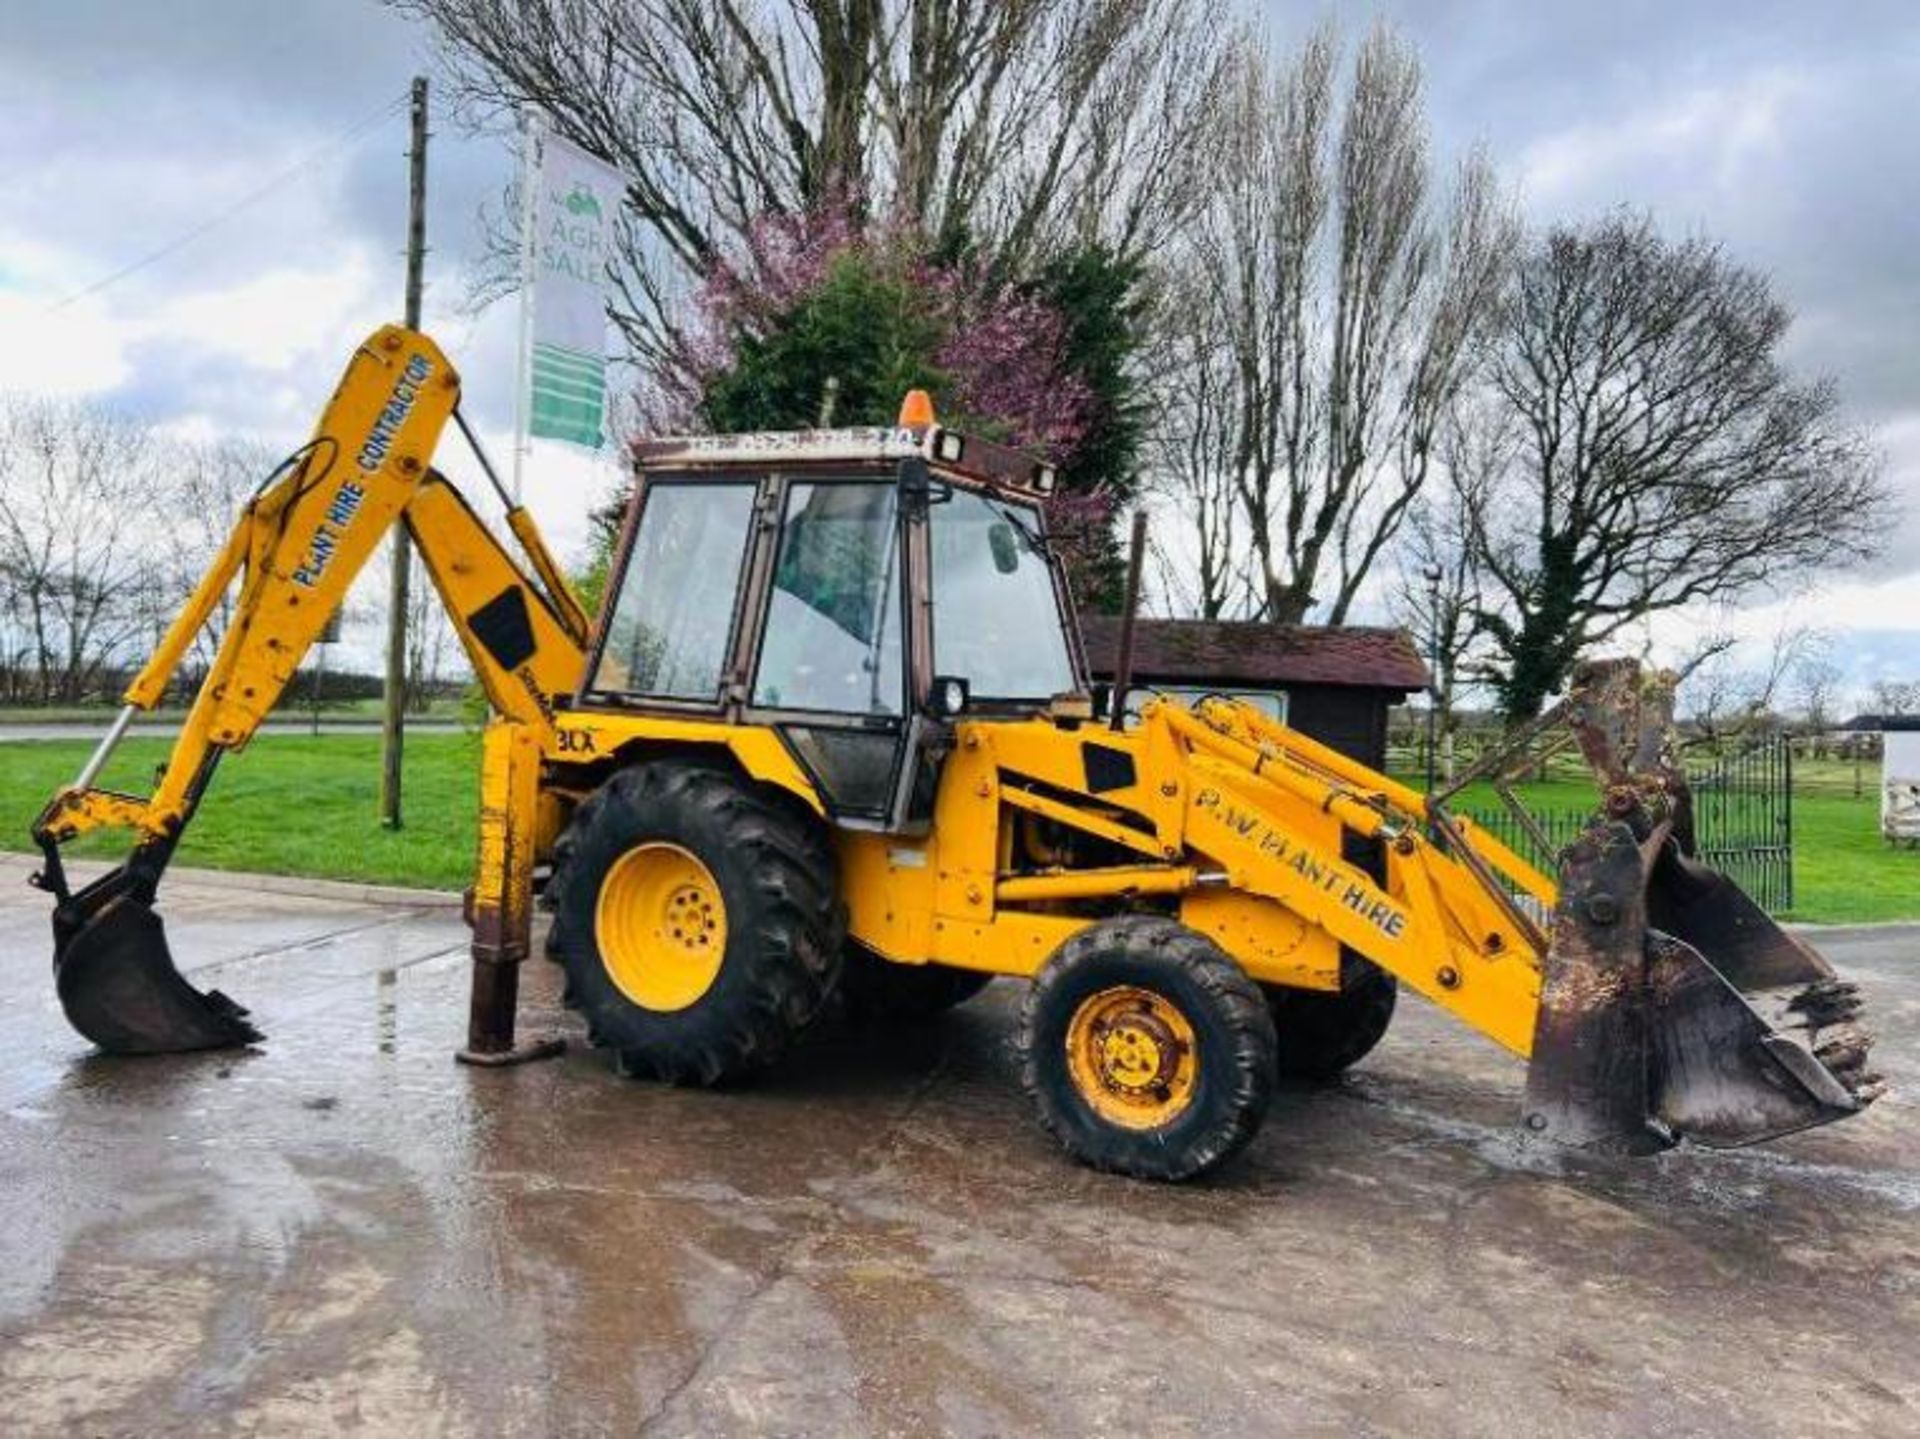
(1228, 652)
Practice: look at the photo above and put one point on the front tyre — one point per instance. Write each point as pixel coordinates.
(1146, 1050)
(697, 919)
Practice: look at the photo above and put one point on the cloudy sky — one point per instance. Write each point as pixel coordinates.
(276, 130)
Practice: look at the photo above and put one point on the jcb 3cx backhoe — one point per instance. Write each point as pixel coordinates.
(831, 736)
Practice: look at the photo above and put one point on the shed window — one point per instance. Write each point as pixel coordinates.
(1272, 703)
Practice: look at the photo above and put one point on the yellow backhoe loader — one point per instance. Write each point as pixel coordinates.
(831, 737)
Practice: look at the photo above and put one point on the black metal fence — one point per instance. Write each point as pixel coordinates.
(1560, 826)
(1743, 818)
(1743, 814)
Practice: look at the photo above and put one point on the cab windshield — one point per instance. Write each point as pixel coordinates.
(996, 617)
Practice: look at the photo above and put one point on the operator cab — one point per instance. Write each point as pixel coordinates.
(853, 590)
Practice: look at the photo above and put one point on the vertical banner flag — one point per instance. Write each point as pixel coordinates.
(576, 200)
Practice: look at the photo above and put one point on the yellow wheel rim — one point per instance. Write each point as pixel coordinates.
(1132, 1057)
(661, 926)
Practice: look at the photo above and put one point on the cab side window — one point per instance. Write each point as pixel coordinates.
(996, 618)
(669, 631)
(832, 639)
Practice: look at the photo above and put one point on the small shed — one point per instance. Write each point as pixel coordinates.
(1334, 685)
(1899, 773)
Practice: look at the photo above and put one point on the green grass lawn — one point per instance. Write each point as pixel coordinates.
(294, 711)
(1843, 871)
(285, 805)
(307, 806)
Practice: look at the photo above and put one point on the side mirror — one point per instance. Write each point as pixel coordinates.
(1005, 551)
(949, 698)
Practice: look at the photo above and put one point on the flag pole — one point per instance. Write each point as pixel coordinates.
(523, 358)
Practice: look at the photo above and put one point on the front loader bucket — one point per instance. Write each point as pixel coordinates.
(1672, 1007)
(118, 984)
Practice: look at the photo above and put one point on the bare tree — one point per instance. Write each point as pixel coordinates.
(1205, 569)
(1004, 127)
(1668, 457)
(1727, 697)
(431, 647)
(105, 529)
(76, 484)
(1714, 692)
(1896, 697)
(1816, 690)
(207, 486)
(1436, 594)
(1704, 652)
(1344, 297)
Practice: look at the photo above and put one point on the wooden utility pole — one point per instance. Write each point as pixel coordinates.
(393, 719)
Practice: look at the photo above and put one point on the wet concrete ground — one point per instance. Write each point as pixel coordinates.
(343, 1230)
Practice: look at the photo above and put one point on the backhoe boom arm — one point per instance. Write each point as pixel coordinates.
(297, 548)
(294, 551)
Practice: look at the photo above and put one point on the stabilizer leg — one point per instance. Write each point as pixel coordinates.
(502, 908)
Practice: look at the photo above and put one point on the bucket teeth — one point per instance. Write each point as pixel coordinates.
(1827, 1001)
(1829, 1010)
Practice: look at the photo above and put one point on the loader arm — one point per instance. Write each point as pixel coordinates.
(294, 552)
(1444, 922)
(1654, 1000)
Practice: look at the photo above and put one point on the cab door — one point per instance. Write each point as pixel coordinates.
(831, 673)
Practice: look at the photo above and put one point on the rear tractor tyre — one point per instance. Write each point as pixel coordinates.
(1146, 1050)
(1324, 1033)
(876, 991)
(697, 919)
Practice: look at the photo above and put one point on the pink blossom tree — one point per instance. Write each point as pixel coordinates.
(996, 352)
(828, 298)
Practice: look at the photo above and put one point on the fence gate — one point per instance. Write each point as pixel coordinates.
(1743, 821)
(1743, 817)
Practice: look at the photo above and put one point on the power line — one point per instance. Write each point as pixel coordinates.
(387, 109)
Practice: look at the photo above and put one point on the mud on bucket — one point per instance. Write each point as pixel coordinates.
(117, 980)
(1673, 1007)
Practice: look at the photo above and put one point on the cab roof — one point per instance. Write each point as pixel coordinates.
(948, 450)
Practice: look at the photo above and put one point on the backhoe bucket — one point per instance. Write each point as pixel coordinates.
(1673, 1008)
(118, 984)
